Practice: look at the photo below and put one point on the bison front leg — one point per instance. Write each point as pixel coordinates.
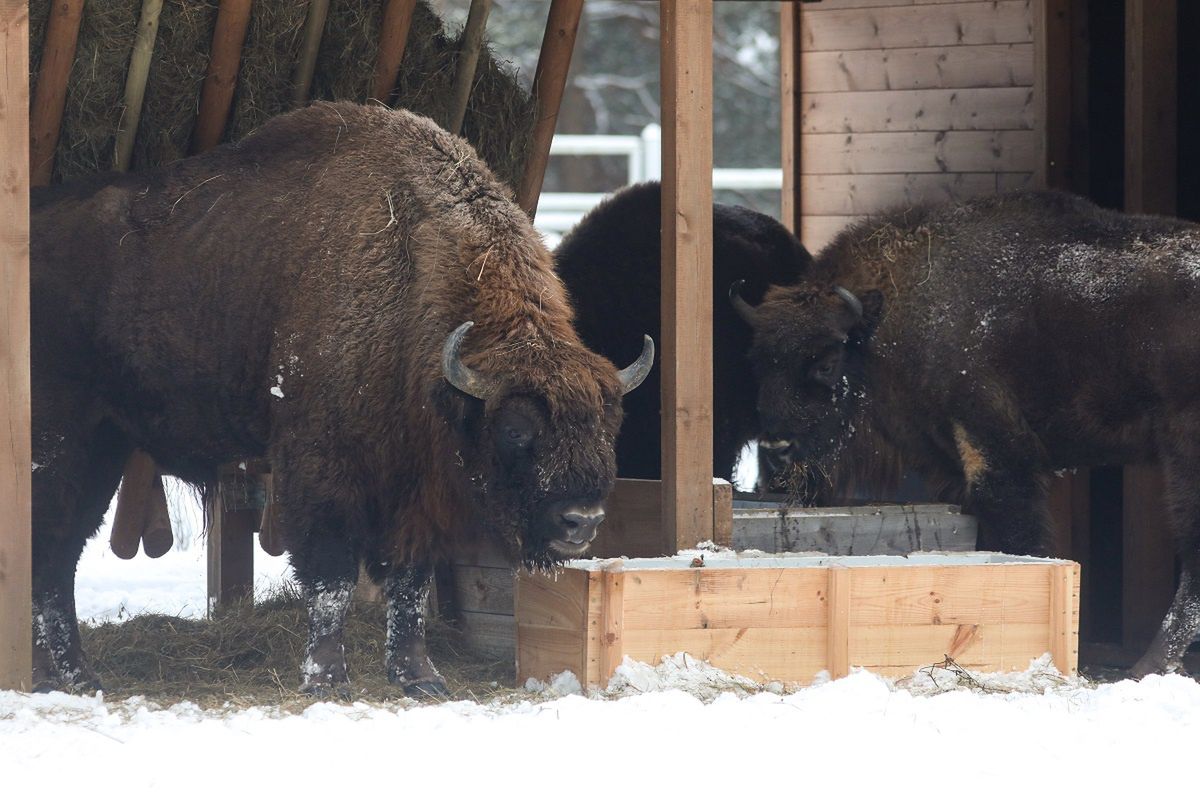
(407, 660)
(326, 567)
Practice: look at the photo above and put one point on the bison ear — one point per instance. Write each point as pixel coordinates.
(872, 304)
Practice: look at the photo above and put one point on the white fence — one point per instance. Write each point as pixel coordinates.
(557, 212)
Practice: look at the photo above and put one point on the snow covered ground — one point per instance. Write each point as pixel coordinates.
(679, 729)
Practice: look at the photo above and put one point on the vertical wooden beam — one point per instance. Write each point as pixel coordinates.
(233, 18)
(837, 635)
(1151, 71)
(50, 94)
(687, 302)
(1064, 617)
(549, 82)
(791, 112)
(16, 591)
(393, 36)
(314, 29)
(1052, 92)
(612, 616)
(135, 82)
(230, 554)
(468, 60)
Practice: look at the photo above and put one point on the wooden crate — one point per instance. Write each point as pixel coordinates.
(867, 530)
(790, 617)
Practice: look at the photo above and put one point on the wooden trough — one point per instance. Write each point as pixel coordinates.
(791, 617)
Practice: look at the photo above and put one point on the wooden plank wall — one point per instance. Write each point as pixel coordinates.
(905, 101)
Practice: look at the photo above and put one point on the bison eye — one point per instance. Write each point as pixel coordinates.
(827, 370)
(517, 437)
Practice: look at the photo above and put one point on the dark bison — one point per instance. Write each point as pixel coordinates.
(611, 265)
(992, 342)
(349, 293)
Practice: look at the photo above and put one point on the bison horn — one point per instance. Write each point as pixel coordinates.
(744, 309)
(852, 301)
(459, 374)
(633, 375)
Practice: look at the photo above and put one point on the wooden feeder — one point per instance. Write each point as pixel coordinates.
(787, 618)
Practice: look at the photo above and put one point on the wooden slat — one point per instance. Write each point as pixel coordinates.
(1008, 181)
(549, 81)
(705, 597)
(918, 68)
(230, 555)
(687, 302)
(1052, 43)
(1064, 617)
(544, 652)
(594, 645)
(554, 601)
(15, 540)
(790, 106)
(612, 623)
(1002, 22)
(856, 195)
(838, 605)
(1148, 554)
(468, 58)
(1151, 66)
(233, 18)
(484, 589)
(816, 232)
(314, 30)
(955, 151)
(393, 36)
(135, 83)
(50, 94)
(722, 513)
(490, 635)
(1003, 108)
(782, 654)
(938, 595)
(990, 648)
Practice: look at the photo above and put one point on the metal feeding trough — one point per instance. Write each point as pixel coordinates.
(773, 526)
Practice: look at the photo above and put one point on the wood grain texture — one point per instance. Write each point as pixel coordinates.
(230, 555)
(918, 68)
(991, 22)
(135, 82)
(1151, 66)
(838, 606)
(393, 37)
(687, 302)
(50, 94)
(857, 195)
(216, 95)
(954, 151)
(549, 81)
(707, 597)
(988, 109)
(1064, 617)
(761, 654)
(987, 648)
(469, 47)
(484, 589)
(16, 665)
(633, 524)
(612, 623)
(937, 595)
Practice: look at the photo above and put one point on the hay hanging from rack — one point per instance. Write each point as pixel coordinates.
(499, 117)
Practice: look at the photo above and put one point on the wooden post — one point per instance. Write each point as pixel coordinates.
(16, 591)
(230, 554)
(50, 95)
(314, 29)
(233, 18)
(687, 302)
(1052, 92)
(791, 112)
(468, 59)
(549, 82)
(1148, 566)
(135, 82)
(838, 633)
(1064, 617)
(393, 36)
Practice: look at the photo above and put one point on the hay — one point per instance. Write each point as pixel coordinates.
(251, 655)
(499, 117)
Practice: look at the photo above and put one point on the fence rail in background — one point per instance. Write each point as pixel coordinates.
(558, 212)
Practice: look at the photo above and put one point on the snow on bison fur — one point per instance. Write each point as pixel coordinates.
(611, 263)
(307, 295)
(992, 342)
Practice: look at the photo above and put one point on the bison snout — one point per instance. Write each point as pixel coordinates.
(579, 525)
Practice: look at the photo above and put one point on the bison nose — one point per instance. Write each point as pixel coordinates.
(578, 525)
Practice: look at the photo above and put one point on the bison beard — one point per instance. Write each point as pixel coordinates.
(304, 295)
(993, 341)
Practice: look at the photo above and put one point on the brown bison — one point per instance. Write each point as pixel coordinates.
(351, 294)
(992, 342)
(611, 265)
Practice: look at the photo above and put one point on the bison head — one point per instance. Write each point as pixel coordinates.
(809, 357)
(539, 425)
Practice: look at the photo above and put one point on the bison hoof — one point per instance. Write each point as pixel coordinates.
(427, 689)
(325, 691)
(80, 682)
